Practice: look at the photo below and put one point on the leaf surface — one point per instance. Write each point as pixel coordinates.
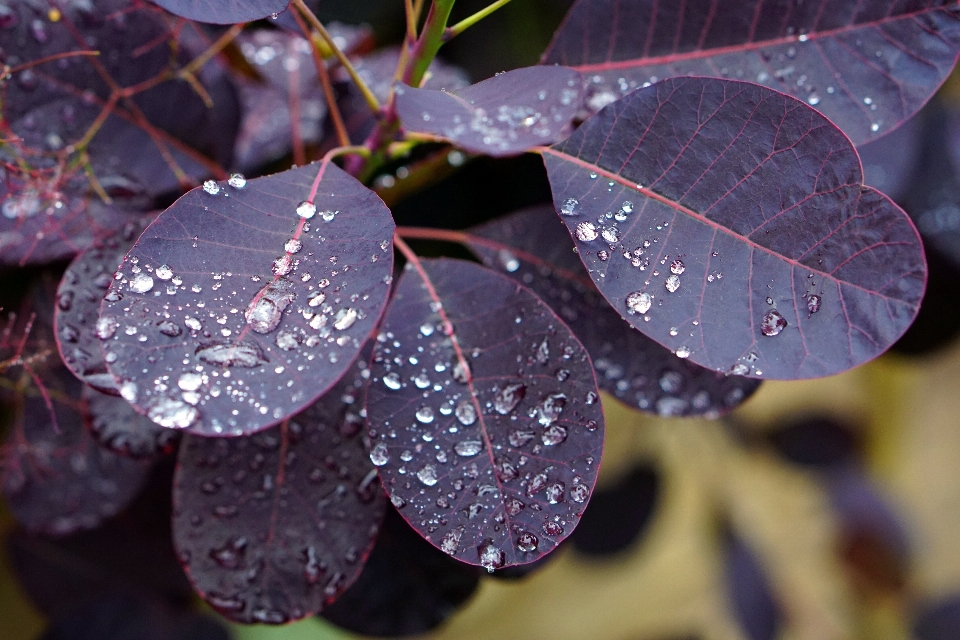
(759, 249)
(272, 526)
(534, 248)
(117, 427)
(867, 66)
(223, 11)
(504, 115)
(484, 415)
(232, 312)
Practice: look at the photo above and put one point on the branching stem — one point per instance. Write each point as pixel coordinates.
(452, 32)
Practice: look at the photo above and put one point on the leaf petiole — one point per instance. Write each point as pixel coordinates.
(452, 32)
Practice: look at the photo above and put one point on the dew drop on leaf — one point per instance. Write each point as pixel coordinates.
(813, 303)
(579, 493)
(450, 543)
(392, 381)
(527, 542)
(491, 557)
(211, 187)
(428, 475)
(379, 455)
(163, 272)
(586, 232)
(106, 327)
(424, 415)
(140, 283)
(550, 408)
(555, 493)
(639, 302)
(466, 413)
(682, 352)
(266, 309)
(239, 354)
(306, 209)
(677, 267)
(570, 207)
(172, 413)
(468, 448)
(237, 181)
(773, 323)
(554, 435)
(508, 398)
(672, 283)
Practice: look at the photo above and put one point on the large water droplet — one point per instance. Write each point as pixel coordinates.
(128, 391)
(428, 475)
(639, 302)
(468, 448)
(392, 381)
(345, 319)
(266, 309)
(190, 381)
(169, 328)
(211, 187)
(172, 413)
(508, 398)
(677, 267)
(379, 455)
(466, 413)
(555, 493)
(237, 181)
(106, 327)
(672, 283)
(424, 415)
(163, 272)
(554, 435)
(586, 232)
(450, 543)
(230, 555)
(773, 323)
(579, 493)
(527, 542)
(239, 354)
(306, 209)
(550, 408)
(491, 557)
(140, 283)
(683, 352)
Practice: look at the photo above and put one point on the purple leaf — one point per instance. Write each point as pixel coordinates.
(867, 66)
(534, 248)
(223, 11)
(407, 586)
(484, 415)
(619, 515)
(753, 601)
(889, 163)
(757, 248)
(118, 428)
(505, 115)
(79, 295)
(245, 301)
(272, 526)
(55, 478)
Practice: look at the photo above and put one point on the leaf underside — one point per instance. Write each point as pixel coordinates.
(223, 11)
(484, 415)
(867, 66)
(752, 246)
(534, 248)
(272, 526)
(231, 312)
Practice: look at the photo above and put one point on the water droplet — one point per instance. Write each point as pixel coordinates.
(266, 309)
(550, 408)
(424, 415)
(586, 231)
(603, 255)
(683, 352)
(392, 381)
(552, 528)
(813, 98)
(554, 435)
(422, 381)
(570, 207)
(813, 303)
(128, 391)
(672, 283)
(345, 318)
(875, 127)
(190, 381)
(450, 543)
(163, 272)
(579, 493)
(527, 542)
(508, 398)
(677, 267)
(773, 323)
(306, 209)
(237, 181)
(611, 234)
(491, 557)
(140, 283)
(292, 246)
(106, 327)
(639, 302)
(211, 187)
(555, 492)
(426, 329)
(428, 475)
(461, 372)
(466, 413)
(239, 354)
(172, 413)
(379, 454)
(230, 555)
(468, 448)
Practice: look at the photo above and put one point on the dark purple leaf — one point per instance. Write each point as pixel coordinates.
(889, 163)
(407, 586)
(505, 115)
(233, 311)
(223, 11)
(754, 604)
(938, 620)
(79, 295)
(618, 515)
(116, 426)
(56, 478)
(131, 553)
(273, 526)
(757, 248)
(533, 247)
(377, 70)
(867, 66)
(817, 442)
(484, 415)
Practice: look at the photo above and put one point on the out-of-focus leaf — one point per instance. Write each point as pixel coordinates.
(760, 250)
(618, 515)
(750, 594)
(117, 427)
(484, 415)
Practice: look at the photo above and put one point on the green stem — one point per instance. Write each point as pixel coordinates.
(368, 96)
(431, 39)
(452, 32)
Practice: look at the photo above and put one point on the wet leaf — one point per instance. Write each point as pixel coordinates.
(223, 11)
(79, 295)
(767, 255)
(407, 586)
(56, 479)
(273, 526)
(272, 296)
(505, 115)
(481, 447)
(534, 248)
(117, 427)
(866, 66)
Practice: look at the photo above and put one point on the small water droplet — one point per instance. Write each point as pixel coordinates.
(550, 408)
(292, 246)
(392, 381)
(527, 542)
(683, 352)
(169, 328)
(172, 413)
(570, 207)
(677, 267)
(773, 323)
(163, 272)
(491, 557)
(106, 327)
(211, 187)
(672, 283)
(579, 493)
(813, 303)
(379, 455)
(468, 448)
(553, 435)
(740, 369)
(424, 415)
(450, 543)
(466, 413)
(507, 398)
(237, 181)
(428, 475)
(345, 319)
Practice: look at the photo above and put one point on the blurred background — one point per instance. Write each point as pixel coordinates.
(820, 509)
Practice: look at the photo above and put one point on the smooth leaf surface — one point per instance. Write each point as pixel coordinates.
(534, 248)
(223, 11)
(56, 479)
(79, 295)
(117, 427)
(867, 66)
(407, 586)
(759, 251)
(272, 526)
(232, 312)
(484, 415)
(504, 115)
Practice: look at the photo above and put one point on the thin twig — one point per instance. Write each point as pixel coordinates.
(452, 32)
